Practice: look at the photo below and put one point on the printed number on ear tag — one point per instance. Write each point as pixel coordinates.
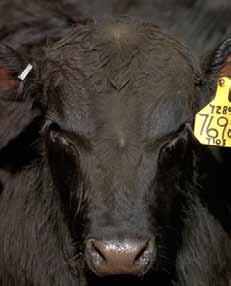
(213, 122)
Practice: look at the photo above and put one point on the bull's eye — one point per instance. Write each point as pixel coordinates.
(172, 152)
(64, 163)
(168, 148)
(59, 137)
(166, 152)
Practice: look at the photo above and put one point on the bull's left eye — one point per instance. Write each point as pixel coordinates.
(172, 151)
(167, 152)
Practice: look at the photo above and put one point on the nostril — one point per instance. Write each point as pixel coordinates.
(146, 254)
(93, 253)
(97, 250)
(141, 251)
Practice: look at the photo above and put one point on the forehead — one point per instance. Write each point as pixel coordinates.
(122, 79)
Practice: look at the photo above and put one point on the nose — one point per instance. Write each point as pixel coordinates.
(119, 257)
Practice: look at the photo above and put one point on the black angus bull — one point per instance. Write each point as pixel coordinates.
(102, 181)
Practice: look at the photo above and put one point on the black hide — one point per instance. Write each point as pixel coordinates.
(96, 143)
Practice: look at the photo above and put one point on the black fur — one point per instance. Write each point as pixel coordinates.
(201, 24)
(96, 142)
(205, 256)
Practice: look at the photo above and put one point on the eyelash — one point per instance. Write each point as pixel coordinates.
(56, 134)
(165, 150)
(169, 146)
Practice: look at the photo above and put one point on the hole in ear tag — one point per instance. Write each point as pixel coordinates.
(213, 122)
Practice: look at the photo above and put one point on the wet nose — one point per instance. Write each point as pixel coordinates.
(132, 257)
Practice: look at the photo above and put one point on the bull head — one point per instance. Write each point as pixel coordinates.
(109, 114)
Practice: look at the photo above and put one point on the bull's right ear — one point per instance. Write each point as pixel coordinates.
(17, 106)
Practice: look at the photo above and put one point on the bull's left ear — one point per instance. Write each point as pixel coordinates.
(17, 106)
(218, 63)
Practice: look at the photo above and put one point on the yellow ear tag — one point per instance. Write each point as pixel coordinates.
(213, 122)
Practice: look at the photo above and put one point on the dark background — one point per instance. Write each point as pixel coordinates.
(201, 24)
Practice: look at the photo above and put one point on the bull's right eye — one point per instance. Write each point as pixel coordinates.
(64, 164)
(56, 136)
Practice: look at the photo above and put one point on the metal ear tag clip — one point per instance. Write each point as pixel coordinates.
(26, 72)
(22, 77)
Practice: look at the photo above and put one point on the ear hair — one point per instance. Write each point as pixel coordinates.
(7, 82)
(11, 59)
(221, 56)
(17, 110)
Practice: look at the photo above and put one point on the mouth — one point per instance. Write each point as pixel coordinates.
(149, 279)
(100, 262)
(156, 274)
